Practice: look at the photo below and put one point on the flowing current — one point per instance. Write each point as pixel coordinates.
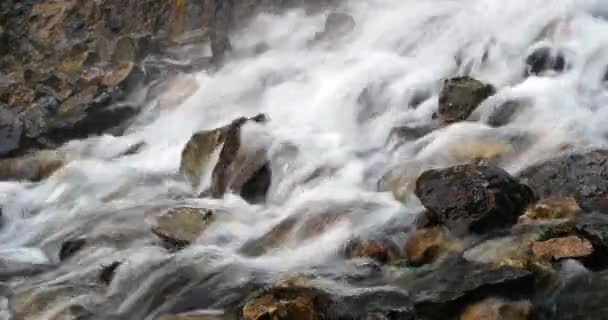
(332, 108)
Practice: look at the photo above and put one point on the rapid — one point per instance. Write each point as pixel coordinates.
(332, 109)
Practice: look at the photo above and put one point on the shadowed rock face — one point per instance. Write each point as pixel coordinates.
(471, 197)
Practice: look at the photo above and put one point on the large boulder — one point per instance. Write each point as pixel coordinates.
(472, 197)
(583, 176)
(460, 96)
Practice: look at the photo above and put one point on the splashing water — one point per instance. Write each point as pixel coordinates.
(400, 51)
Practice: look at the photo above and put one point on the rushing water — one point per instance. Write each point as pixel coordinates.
(400, 50)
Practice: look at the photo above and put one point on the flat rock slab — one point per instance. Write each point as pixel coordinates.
(442, 293)
(562, 248)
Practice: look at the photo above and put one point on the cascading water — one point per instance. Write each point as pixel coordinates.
(398, 54)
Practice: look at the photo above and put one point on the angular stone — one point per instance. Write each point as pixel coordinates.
(180, 226)
(562, 248)
(477, 198)
(460, 96)
(245, 172)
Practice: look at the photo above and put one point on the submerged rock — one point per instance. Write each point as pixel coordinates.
(504, 113)
(444, 293)
(477, 198)
(548, 209)
(337, 24)
(460, 96)
(381, 250)
(562, 248)
(33, 167)
(71, 247)
(583, 176)
(106, 274)
(497, 309)
(274, 307)
(425, 246)
(545, 59)
(179, 227)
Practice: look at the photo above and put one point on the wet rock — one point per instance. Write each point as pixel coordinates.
(497, 309)
(477, 198)
(401, 135)
(545, 59)
(551, 209)
(459, 97)
(504, 113)
(381, 250)
(296, 302)
(293, 230)
(197, 154)
(33, 167)
(445, 292)
(179, 227)
(581, 297)
(221, 21)
(425, 246)
(337, 24)
(583, 176)
(240, 169)
(562, 248)
(71, 247)
(271, 306)
(107, 272)
(11, 131)
(513, 251)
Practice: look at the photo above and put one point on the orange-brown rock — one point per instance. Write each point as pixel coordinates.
(425, 245)
(497, 309)
(384, 251)
(562, 248)
(270, 307)
(551, 209)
